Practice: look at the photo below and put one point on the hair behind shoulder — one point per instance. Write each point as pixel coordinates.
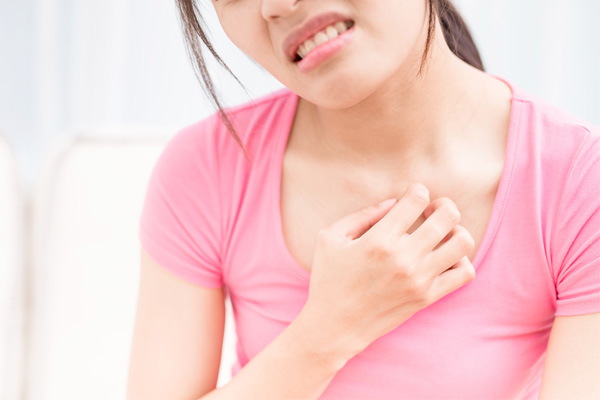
(457, 34)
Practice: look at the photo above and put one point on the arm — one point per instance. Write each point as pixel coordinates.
(572, 366)
(383, 282)
(177, 339)
(178, 335)
(298, 364)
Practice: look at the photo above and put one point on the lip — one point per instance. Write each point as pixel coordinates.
(325, 51)
(309, 29)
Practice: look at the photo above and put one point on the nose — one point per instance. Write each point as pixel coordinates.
(273, 9)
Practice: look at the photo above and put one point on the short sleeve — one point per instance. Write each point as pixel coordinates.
(576, 243)
(180, 223)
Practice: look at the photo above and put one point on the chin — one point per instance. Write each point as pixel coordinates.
(335, 103)
(341, 88)
(338, 96)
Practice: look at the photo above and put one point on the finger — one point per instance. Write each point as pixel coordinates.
(404, 213)
(452, 279)
(442, 215)
(354, 225)
(454, 249)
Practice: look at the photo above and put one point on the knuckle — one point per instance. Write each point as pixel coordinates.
(439, 230)
(324, 235)
(469, 273)
(403, 264)
(450, 210)
(379, 250)
(402, 272)
(418, 288)
(416, 285)
(403, 268)
(427, 298)
(418, 193)
(464, 239)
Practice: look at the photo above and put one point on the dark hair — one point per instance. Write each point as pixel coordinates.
(456, 34)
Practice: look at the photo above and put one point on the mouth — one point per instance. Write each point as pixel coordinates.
(322, 36)
(314, 28)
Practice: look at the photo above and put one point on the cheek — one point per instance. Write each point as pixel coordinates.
(251, 36)
(398, 35)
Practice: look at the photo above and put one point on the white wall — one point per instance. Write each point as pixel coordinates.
(549, 47)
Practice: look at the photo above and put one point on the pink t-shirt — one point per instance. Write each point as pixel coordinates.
(212, 219)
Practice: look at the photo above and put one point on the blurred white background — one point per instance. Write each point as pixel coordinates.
(68, 65)
(90, 90)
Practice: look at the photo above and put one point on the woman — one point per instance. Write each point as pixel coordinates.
(478, 278)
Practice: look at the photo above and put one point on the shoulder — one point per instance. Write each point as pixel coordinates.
(553, 131)
(558, 184)
(254, 122)
(557, 160)
(552, 143)
(205, 155)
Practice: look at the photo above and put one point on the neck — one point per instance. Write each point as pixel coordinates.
(405, 121)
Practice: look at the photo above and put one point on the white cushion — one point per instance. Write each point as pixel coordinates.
(12, 275)
(87, 208)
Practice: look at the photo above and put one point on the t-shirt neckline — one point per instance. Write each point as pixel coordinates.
(276, 167)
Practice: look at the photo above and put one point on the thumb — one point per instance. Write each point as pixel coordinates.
(354, 225)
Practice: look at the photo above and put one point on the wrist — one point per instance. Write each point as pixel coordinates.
(330, 345)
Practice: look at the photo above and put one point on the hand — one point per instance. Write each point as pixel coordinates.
(369, 275)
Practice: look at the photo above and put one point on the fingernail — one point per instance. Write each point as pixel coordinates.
(388, 202)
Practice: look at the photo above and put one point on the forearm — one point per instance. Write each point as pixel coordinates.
(298, 364)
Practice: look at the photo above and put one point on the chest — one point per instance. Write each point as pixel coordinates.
(311, 200)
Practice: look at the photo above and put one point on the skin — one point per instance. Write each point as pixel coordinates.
(340, 97)
(454, 118)
(398, 128)
(377, 125)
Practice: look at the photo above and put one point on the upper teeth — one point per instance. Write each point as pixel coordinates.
(321, 37)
